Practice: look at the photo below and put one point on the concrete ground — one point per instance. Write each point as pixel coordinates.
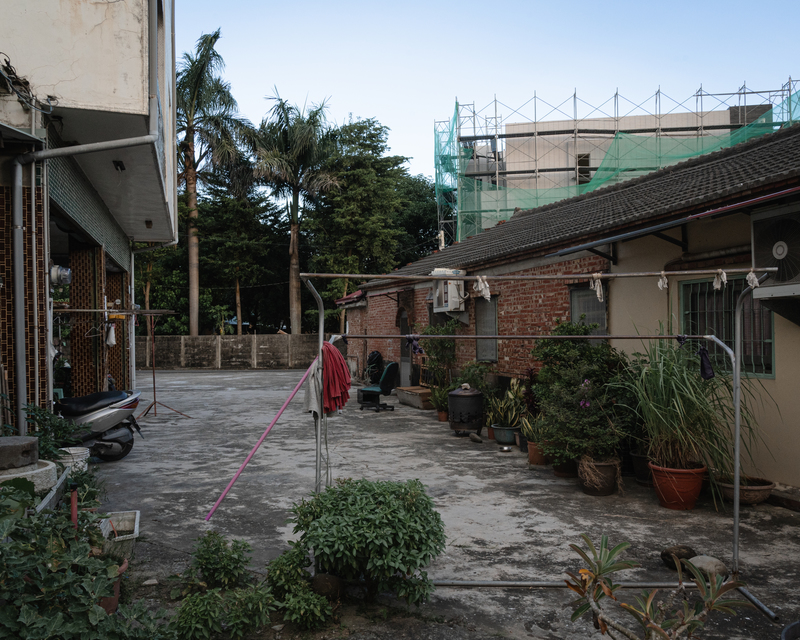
(504, 519)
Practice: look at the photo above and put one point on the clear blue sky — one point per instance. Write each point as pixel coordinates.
(405, 63)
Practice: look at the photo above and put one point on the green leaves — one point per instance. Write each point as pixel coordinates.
(220, 564)
(383, 532)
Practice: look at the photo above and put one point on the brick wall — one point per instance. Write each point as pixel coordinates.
(527, 307)
(7, 296)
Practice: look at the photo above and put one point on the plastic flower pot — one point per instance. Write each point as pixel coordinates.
(677, 489)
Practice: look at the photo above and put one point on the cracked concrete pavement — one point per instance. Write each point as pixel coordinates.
(504, 519)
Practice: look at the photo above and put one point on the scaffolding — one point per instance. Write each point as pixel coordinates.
(493, 161)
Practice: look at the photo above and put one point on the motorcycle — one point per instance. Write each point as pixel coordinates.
(109, 418)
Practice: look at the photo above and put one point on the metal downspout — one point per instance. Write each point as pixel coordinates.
(35, 275)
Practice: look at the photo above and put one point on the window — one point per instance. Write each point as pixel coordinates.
(708, 311)
(583, 301)
(486, 325)
(584, 172)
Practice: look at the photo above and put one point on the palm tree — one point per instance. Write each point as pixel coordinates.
(211, 129)
(291, 148)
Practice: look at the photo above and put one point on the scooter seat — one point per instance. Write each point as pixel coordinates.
(87, 404)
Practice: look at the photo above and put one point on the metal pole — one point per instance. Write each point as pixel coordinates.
(18, 265)
(562, 276)
(318, 420)
(546, 584)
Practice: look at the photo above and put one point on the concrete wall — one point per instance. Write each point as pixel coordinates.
(637, 306)
(69, 66)
(229, 352)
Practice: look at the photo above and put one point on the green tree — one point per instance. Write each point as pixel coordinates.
(242, 237)
(211, 131)
(353, 226)
(417, 219)
(291, 149)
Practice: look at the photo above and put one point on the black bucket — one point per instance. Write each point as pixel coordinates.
(791, 631)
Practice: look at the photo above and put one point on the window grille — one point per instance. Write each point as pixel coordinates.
(709, 311)
(486, 325)
(583, 302)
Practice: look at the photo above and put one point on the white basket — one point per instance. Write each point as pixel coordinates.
(75, 457)
(120, 547)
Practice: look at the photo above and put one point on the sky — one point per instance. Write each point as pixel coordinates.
(406, 63)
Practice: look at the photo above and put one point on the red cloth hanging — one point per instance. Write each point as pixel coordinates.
(335, 379)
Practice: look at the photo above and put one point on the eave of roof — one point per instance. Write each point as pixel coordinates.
(751, 167)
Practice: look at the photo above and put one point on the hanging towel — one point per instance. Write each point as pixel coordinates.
(752, 279)
(482, 286)
(706, 370)
(720, 279)
(336, 379)
(596, 284)
(663, 282)
(412, 342)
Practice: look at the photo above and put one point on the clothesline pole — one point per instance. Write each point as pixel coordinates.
(260, 440)
(318, 420)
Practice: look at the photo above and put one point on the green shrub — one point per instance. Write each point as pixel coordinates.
(200, 616)
(52, 431)
(381, 532)
(219, 564)
(290, 583)
(248, 609)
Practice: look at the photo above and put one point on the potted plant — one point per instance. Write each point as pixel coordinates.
(507, 411)
(531, 428)
(582, 422)
(438, 399)
(687, 421)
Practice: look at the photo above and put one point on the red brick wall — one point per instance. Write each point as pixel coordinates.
(527, 307)
(7, 296)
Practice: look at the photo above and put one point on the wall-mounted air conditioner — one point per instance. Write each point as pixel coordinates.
(776, 243)
(448, 295)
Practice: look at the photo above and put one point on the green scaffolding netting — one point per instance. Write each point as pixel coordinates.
(479, 204)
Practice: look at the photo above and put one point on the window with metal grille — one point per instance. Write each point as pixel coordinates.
(486, 325)
(583, 302)
(706, 310)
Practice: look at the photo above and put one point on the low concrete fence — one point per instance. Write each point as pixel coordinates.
(274, 351)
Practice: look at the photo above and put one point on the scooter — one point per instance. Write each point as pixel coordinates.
(109, 418)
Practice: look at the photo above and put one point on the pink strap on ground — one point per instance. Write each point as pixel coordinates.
(260, 440)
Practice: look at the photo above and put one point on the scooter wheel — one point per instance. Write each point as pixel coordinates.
(113, 457)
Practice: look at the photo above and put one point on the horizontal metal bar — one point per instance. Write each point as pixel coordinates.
(122, 312)
(758, 604)
(563, 276)
(609, 132)
(533, 584)
(531, 337)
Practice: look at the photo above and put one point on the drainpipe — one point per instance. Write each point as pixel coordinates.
(18, 265)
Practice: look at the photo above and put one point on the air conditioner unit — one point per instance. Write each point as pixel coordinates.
(776, 243)
(448, 295)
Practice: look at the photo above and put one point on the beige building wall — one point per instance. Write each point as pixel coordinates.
(55, 45)
(637, 305)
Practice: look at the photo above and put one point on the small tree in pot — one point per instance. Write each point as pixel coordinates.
(581, 417)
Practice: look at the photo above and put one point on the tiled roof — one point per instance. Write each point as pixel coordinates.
(750, 166)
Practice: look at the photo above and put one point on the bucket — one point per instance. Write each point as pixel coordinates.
(75, 457)
(791, 631)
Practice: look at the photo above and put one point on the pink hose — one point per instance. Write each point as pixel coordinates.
(260, 440)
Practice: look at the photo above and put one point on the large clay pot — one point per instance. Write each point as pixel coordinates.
(535, 455)
(606, 474)
(567, 469)
(442, 415)
(756, 491)
(677, 488)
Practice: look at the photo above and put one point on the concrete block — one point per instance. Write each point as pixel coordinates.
(18, 451)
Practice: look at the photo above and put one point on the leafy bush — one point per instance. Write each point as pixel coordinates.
(90, 488)
(290, 583)
(200, 616)
(381, 532)
(248, 609)
(665, 619)
(53, 432)
(219, 564)
(580, 413)
(441, 354)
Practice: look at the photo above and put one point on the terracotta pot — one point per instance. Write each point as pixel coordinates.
(641, 470)
(442, 416)
(110, 603)
(607, 475)
(566, 470)
(535, 455)
(677, 488)
(491, 433)
(757, 491)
